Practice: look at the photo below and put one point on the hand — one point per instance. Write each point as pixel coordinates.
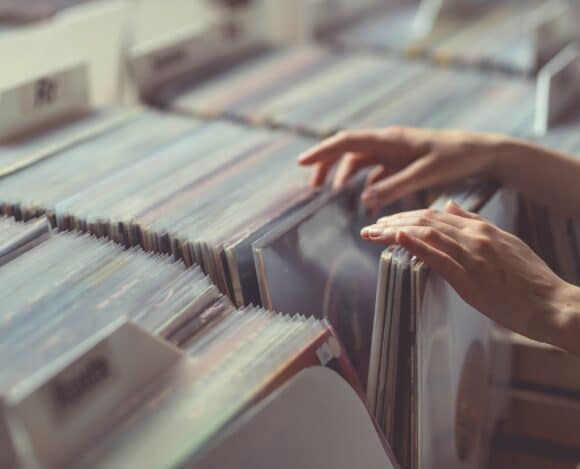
(404, 160)
(491, 269)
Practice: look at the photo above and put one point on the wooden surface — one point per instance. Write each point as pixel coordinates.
(542, 426)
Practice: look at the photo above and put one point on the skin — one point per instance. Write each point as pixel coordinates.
(491, 269)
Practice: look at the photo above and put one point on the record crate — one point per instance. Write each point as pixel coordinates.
(542, 425)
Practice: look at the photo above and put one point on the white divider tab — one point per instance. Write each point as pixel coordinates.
(558, 88)
(160, 61)
(171, 57)
(64, 410)
(32, 103)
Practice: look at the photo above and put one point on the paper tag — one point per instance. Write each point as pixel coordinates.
(63, 411)
(558, 88)
(328, 351)
(44, 99)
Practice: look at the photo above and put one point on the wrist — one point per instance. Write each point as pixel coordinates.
(503, 154)
(564, 312)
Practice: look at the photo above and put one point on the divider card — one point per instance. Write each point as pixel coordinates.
(167, 58)
(64, 410)
(59, 93)
(183, 54)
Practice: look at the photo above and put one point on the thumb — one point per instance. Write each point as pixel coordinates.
(418, 175)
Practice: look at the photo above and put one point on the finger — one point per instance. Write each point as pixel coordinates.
(436, 238)
(439, 261)
(377, 173)
(349, 165)
(320, 174)
(449, 230)
(332, 149)
(423, 217)
(416, 176)
(453, 208)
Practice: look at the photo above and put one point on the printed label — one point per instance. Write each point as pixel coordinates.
(80, 381)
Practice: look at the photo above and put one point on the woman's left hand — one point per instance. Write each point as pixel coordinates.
(491, 269)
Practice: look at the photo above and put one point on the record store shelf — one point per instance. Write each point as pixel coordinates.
(170, 221)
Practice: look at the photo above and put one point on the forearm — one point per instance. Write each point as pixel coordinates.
(542, 175)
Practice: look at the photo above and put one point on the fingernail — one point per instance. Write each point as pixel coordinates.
(371, 232)
(375, 232)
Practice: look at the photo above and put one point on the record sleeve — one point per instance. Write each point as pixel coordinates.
(429, 380)
(317, 263)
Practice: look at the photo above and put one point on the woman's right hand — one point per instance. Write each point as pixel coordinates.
(404, 160)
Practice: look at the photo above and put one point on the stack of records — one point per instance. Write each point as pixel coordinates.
(27, 149)
(26, 11)
(316, 92)
(203, 199)
(555, 237)
(17, 238)
(74, 168)
(491, 35)
(451, 99)
(301, 89)
(432, 359)
(186, 412)
(57, 294)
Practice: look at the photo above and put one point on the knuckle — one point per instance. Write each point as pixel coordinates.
(482, 245)
(430, 234)
(485, 229)
(423, 220)
(431, 212)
